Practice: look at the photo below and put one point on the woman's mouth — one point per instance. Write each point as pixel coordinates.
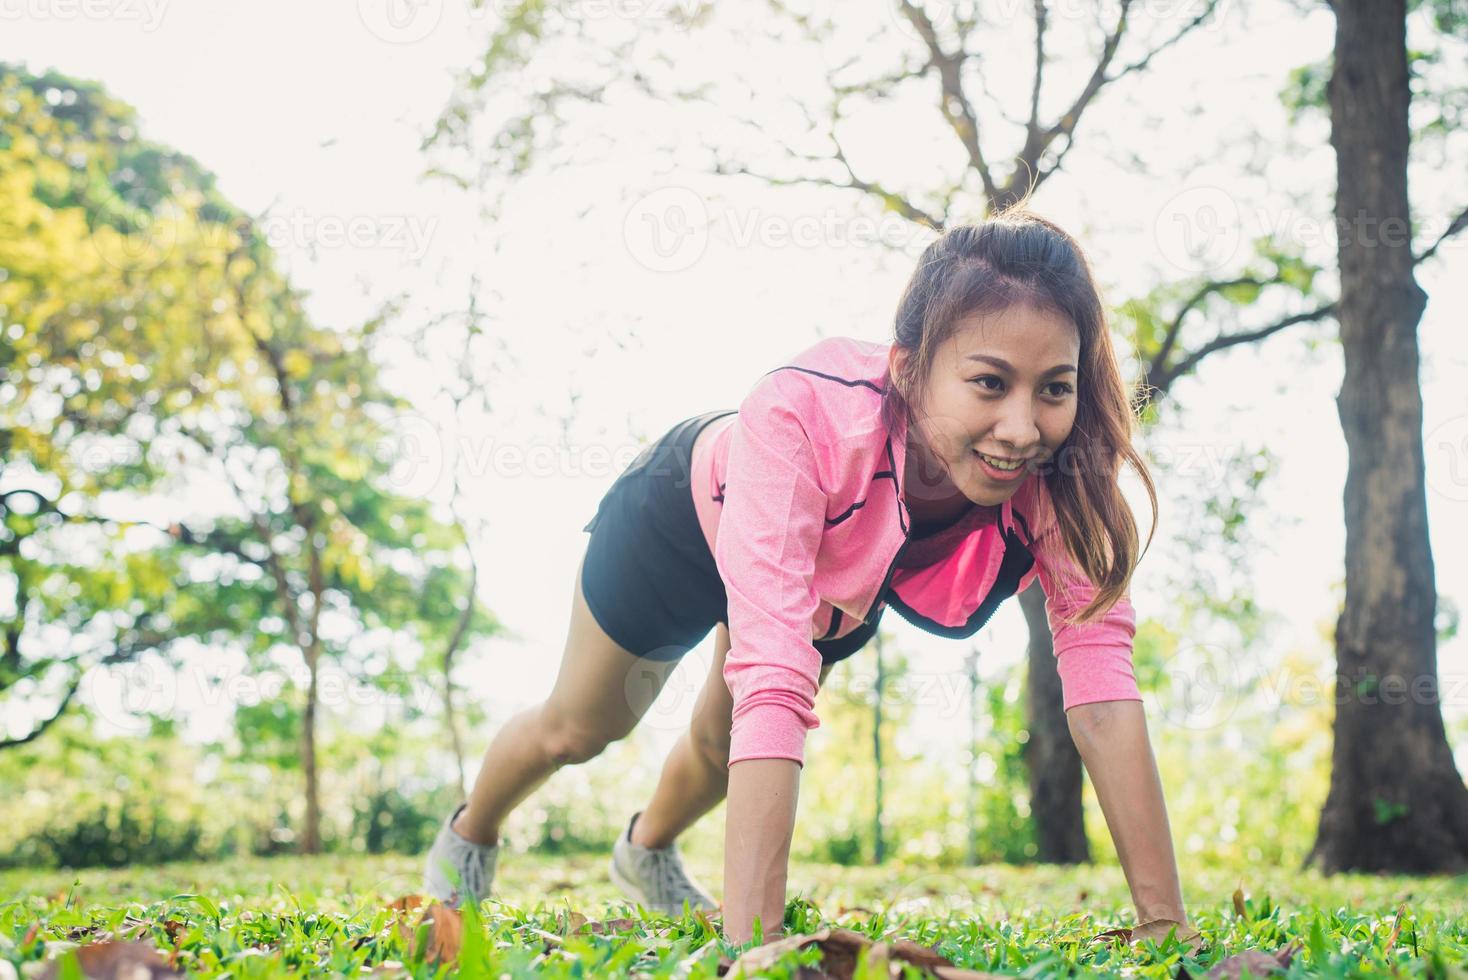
(999, 470)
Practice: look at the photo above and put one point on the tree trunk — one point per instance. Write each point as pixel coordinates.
(880, 846)
(1396, 800)
(450, 714)
(1050, 754)
(311, 835)
(971, 665)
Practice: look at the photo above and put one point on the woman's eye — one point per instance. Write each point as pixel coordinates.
(1059, 389)
(996, 386)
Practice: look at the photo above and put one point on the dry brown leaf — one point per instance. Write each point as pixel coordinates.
(1391, 940)
(115, 961)
(1258, 963)
(608, 927)
(841, 951)
(1153, 929)
(445, 930)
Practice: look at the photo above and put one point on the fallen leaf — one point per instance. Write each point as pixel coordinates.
(1255, 961)
(1156, 930)
(1396, 926)
(115, 961)
(1239, 906)
(609, 926)
(445, 930)
(841, 951)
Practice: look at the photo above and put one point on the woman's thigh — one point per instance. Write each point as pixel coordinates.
(602, 690)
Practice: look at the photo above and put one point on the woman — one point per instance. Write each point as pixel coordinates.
(939, 474)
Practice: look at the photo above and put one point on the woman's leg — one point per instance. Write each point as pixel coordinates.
(588, 708)
(695, 776)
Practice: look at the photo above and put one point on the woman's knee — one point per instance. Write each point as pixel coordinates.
(571, 741)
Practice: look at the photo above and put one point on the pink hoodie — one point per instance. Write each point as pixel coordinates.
(800, 497)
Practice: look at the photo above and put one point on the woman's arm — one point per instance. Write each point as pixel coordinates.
(1112, 739)
(759, 822)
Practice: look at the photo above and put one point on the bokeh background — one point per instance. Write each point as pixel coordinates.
(320, 320)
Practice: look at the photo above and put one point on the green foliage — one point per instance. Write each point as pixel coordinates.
(293, 917)
(181, 356)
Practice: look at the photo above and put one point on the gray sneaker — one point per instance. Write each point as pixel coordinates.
(474, 864)
(655, 876)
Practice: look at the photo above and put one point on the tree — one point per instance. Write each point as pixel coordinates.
(933, 55)
(1397, 801)
(182, 352)
(107, 282)
(317, 532)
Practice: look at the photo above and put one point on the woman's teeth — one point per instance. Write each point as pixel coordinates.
(999, 464)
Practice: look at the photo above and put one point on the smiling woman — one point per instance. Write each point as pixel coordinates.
(929, 474)
(999, 402)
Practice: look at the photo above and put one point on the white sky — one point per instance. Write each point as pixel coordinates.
(308, 108)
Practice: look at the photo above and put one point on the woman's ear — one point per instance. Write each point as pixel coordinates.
(897, 365)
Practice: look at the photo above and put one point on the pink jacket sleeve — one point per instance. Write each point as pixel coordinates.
(769, 533)
(1094, 659)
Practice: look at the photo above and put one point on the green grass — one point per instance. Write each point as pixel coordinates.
(289, 917)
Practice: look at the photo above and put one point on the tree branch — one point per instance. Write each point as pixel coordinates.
(1455, 226)
(1159, 377)
(954, 104)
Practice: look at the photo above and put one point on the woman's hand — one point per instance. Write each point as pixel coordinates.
(758, 824)
(1158, 929)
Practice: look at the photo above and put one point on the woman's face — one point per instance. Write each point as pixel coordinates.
(1000, 401)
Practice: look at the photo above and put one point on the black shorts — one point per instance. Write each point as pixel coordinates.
(649, 577)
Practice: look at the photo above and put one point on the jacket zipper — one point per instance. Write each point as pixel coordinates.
(886, 581)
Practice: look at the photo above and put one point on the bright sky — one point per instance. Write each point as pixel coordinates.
(317, 111)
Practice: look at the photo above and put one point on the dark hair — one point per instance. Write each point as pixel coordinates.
(1020, 258)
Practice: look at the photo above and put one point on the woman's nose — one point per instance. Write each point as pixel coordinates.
(1016, 426)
